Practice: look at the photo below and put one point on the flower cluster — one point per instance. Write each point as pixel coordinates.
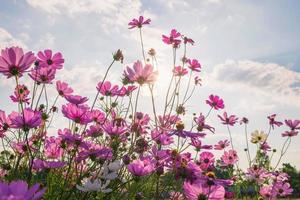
(111, 148)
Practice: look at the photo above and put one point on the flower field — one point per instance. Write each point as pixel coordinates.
(109, 148)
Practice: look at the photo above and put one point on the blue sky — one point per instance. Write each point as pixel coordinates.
(249, 50)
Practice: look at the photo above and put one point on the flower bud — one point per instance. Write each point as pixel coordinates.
(118, 56)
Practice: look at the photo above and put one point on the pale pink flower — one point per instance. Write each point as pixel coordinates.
(141, 74)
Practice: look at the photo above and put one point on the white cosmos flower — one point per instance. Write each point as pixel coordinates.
(89, 185)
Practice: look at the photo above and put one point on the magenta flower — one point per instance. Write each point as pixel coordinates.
(289, 133)
(161, 137)
(179, 71)
(13, 62)
(222, 144)
(283, 189)
(43, 75)
(293, 124)
(126, 91)
(5, 123)
(26, 120)
(206, 160)
(76, 99)
(95, 151)
(138, 22)
(173, 38)
(196, 191)
(63, 89)
(198, 144)
(215, 102)
(107, 89)
(19, 190)
(228, 120)
(98, 116)
(39, 164)
(141, 167)
(112, 128)
(78, 114)
(229, 157)
(273, 122)
(94, 131)
(187, 40)
(201, 125)
(141, 74)
(46, 59)
(268, 192)
(71, 139)
(194, 65)
(21, 94)
(53, 148)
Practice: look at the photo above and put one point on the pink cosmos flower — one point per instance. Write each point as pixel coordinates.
(173, 38)
(98, 116)
(53, 148)
(293, 124)
(71, 139)
(47, 59)
(258, 174)
(229, 157)
(5, 123)
(21, 94)
(187, 40)
(107, 89)
(26, 120)
(76, 99)
(141, 74)
(268, 192)
(112, 128)
(179, 71)
(20, 190)
(141, 167)
(176, 196)
(198, 144)
(289, 133)
(95, 151)
(79, 114)
(94, 131)
(215, 102)
(222, 144)
(161, 137)
(194, 65)
(206, 160)
(201, 125)
(228, 120)
(196, 191)
(265, 147)
(39, 164)
(283, 189)
(127, 91)
(63, 89)
(43, 75)
(273, 122)
(138, 22)
(13, 61)
(21, 147)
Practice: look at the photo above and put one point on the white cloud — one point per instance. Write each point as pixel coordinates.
(46, 41)
(269, 78)
(6, 40)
